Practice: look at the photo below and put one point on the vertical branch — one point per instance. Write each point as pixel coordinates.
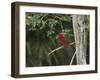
(76, 37)
(80, 34)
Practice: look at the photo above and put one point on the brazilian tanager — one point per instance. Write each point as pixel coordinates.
(62, 39)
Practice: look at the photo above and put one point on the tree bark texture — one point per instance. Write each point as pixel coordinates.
(80, 35)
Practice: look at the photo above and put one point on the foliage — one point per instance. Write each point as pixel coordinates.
(42, 31)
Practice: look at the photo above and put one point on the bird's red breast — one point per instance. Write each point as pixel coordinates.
(62, 39)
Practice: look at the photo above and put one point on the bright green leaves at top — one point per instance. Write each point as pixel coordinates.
(66, 18)
(50, 24)
(34, 21)
(37, 21)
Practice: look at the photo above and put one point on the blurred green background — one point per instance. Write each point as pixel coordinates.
(42, 31)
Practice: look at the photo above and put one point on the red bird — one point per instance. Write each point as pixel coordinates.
(62, 40)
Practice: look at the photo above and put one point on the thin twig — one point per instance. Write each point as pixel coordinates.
(72, 58)
(55, 50)
(71, 43)
(59, 48)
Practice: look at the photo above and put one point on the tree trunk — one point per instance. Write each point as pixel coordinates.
(80, 35)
